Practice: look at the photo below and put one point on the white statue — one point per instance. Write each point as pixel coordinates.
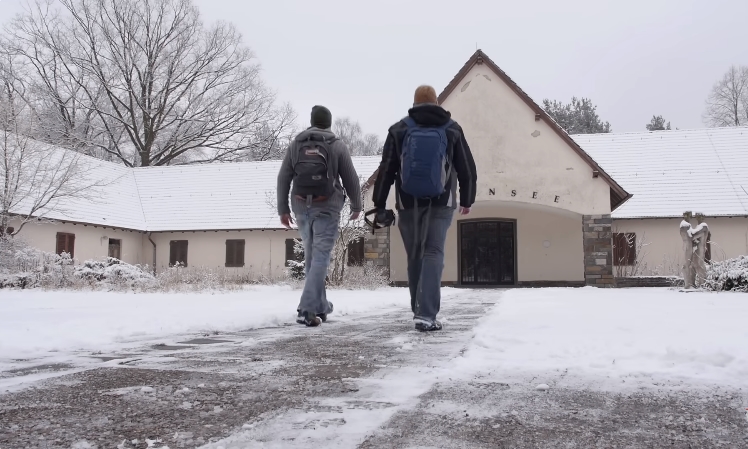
(694, 245)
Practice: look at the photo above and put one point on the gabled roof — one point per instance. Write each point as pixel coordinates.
(671, 172)
(617, 194)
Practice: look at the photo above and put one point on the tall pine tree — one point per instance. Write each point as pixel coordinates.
(578, 117)
(658, 124)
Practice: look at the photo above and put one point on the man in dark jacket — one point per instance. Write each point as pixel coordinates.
(424, 223)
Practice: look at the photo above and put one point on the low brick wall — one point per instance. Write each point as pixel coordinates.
(649, 282)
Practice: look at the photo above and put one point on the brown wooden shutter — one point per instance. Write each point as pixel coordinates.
(183, 252)
(234, 253)
(115, 248)
(62, 241)
(66, 244)
(356, 252)
(178, 252)
(289, 250)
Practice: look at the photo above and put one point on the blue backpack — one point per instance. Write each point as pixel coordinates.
(423, 164)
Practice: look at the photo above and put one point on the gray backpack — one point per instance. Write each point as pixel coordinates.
(313, 177)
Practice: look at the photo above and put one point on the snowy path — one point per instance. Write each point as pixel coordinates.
(367, 380)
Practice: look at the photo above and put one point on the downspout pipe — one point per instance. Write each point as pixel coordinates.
(154, 252)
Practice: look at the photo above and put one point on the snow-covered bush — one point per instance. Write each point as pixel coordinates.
(114, 273)
(731, 274)
(365, 277)
(297, 268)
(23, 266)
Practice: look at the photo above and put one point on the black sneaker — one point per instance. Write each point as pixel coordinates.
(308, 320)
(424, 325)
(323, 316)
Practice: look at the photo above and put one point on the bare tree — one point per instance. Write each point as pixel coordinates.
(727, 104)
(359, 144)
(36, 179)
(350, 231)
(146, 83)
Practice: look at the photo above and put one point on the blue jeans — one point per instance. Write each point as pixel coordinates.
(319, 230)
(424, 233)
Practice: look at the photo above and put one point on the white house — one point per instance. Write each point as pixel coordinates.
(549, 206)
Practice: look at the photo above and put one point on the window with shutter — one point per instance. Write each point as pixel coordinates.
(65, 244)
(291, 253)
(356, 252)
(624, 249)
(115, 248)
(178, 252)
(234, 253)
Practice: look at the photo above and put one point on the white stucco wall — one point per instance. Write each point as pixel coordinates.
(91, 242)
(516, 153)
(264, 251)
(662, 251)
(563, 260)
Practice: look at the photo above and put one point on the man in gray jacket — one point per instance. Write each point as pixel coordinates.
(316, 162)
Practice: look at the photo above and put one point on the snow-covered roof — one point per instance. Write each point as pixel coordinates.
(217, 196)
(182, 198)
(671, 172)
(668, 172)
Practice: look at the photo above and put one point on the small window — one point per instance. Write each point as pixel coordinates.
(624, 249)
(291, 253)
(234, 253)
(65, 244)
(356, 252)
(115, 248)
(178, 252)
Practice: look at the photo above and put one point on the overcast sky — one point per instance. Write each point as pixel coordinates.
(633, 58)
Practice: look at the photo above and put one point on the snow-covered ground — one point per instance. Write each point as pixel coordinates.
(613, 339)
(38, 324)
(602, 338)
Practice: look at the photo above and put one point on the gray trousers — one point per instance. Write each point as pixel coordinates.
(424, 233)
(319, 230)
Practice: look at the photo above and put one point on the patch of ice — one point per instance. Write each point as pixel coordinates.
(83, 444)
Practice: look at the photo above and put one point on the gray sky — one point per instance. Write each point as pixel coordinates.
(633, 58)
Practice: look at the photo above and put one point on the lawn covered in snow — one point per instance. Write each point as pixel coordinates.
(613, 338)
(33, 323)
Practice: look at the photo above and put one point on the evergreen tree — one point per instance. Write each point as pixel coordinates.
(658, 124)
(578, 117)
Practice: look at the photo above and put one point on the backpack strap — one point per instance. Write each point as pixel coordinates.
(409, 122)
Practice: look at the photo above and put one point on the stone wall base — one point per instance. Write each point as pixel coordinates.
(597, 238)
(377, 249)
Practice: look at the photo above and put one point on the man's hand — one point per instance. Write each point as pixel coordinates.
(464, 210)
(355, 215)
(286, 220)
